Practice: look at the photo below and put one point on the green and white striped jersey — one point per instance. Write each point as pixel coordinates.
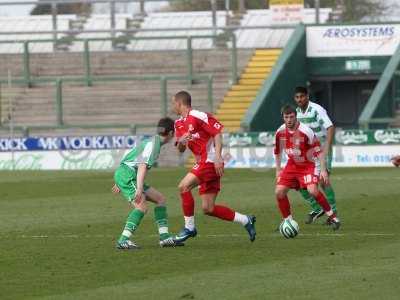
(146, 152)
(316, 118)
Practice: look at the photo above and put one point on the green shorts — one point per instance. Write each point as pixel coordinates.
(125, 179)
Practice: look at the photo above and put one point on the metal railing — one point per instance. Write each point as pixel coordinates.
(87, 54)
(58, 87)
(26, 130)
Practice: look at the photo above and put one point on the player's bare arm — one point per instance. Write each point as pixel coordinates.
(219, 162)
(330, 133)
(324, 173)
(278, 162)
(181, 147)
(182, 142)
(139, 195)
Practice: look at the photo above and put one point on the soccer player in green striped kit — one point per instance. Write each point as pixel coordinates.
(315, 117)
(129, 180)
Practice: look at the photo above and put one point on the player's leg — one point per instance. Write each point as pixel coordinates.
(323, 202)
(316, 210)
(160, 216)
(125, 179)
(282, 200)
(328, 190)
(287, 180)
(185, 189)
(330, 196)
(135, 216)
(208, 194)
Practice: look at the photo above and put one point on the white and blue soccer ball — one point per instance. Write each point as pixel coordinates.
(289, 228)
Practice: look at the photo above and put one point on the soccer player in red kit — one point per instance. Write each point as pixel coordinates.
(201, 133)
(305, 166)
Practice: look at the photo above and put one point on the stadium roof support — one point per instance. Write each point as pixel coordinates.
(366, 117)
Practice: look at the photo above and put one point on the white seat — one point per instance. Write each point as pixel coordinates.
(30, 23)
(177, 20)
(270, 38)
(99, 22)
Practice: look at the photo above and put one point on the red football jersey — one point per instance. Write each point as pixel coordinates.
(203, 127)
(301, 145)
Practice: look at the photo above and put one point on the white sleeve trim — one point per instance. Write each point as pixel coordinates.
(147, 151)
(199, 115)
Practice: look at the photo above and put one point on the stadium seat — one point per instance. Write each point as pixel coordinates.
(30, 23)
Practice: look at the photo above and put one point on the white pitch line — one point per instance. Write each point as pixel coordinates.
(75, 236)
(333, 177)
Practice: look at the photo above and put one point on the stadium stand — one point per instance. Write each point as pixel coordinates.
(93, 105)
(240, 96)
(30, 23)
(131, 102)
(100, 22)
(269, 38)
(177, 20)
(247, 38)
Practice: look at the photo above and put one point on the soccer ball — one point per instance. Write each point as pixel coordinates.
(289, 228)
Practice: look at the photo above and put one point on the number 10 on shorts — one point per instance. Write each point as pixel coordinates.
(309, 179)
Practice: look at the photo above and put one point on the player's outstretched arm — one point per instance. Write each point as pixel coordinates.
(324, 173)
(181, 143)
(330, 133)
(278, 154)
(219, 162)
(181, 147)
(278, 163)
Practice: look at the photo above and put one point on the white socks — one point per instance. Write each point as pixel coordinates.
(241, 219)
(189, 222)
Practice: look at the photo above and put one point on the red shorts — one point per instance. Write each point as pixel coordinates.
(209, 181)
(296, 178)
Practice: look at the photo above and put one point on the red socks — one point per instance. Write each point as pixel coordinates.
(187, 204)
(223, 212)
(321, 199)
(284, 206)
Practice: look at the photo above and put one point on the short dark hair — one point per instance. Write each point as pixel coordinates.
(184, 97)
(165, 126)
(301, 90)
(288, 109)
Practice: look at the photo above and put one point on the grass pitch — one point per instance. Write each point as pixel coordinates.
(58, 231)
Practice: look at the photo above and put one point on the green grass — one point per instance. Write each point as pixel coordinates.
(58, 230)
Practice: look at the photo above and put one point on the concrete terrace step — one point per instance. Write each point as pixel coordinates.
(242, 93)
(115, 102)
(257, 70)
(239, 98)
(260, 64)
(228, 117)
(253, 76)
(276, 52)
(245, 87)
(234, 105)
(251, 81)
